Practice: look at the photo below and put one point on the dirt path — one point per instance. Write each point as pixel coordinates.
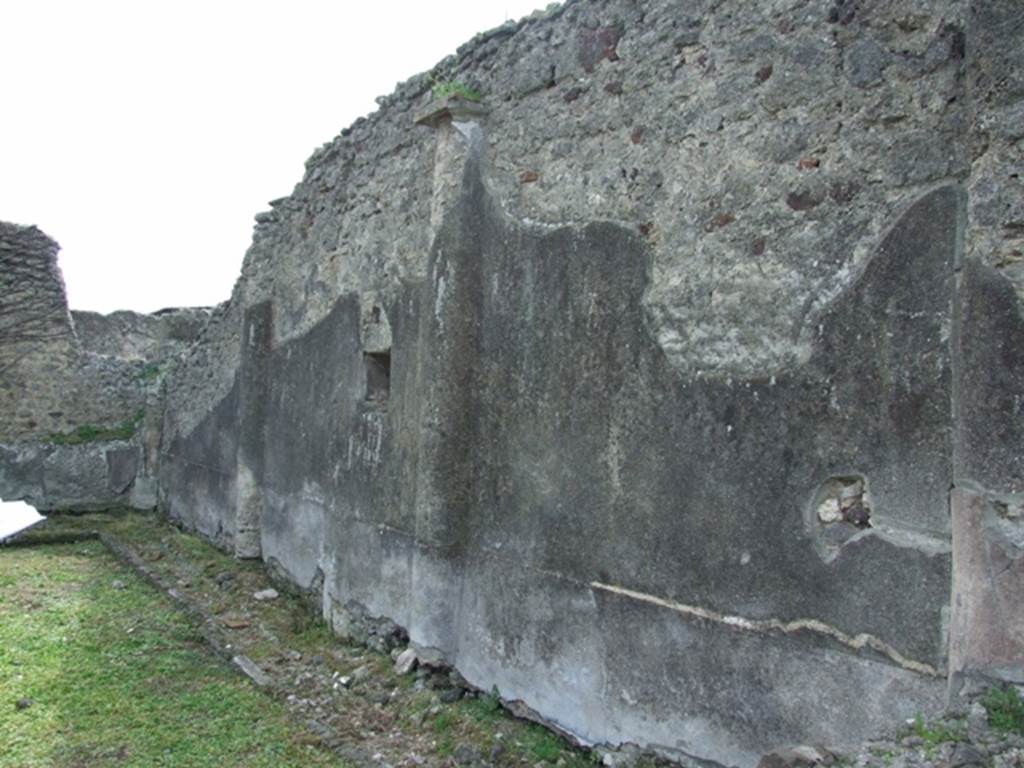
(350, 696)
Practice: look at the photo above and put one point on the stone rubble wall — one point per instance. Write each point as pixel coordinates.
(156, 337)
(80, 393)
(642, 396)
(38, 337)
(761, 148)
(678, 395)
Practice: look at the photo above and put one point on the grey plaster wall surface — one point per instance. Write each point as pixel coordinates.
(94, 475)
(198, 474)
(693, 495)
(987, 632)
(697, 273)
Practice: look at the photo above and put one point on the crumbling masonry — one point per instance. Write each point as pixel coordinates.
(675, 388)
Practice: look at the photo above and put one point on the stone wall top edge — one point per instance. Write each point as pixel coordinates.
(405, 95)
(125, 314)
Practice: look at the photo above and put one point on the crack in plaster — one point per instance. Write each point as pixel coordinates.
(857, 642)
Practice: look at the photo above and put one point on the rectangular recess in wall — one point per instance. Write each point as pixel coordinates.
(378, 376)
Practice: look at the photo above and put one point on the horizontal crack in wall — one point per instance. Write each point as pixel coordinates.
(856, 642)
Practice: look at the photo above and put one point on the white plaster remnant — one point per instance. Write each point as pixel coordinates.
(614, 458)
(471, 131)
(857, 642)
(829, 511)
(439, 301)
(366, 443)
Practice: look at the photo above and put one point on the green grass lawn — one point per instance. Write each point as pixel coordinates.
(117, 676)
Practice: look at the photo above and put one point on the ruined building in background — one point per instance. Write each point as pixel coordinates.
(80, 393)
(674, 388)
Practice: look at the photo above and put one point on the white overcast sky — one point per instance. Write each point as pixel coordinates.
(144, 136)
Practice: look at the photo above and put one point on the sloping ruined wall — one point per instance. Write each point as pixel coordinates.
(155, 338)
(80, 407)
(641, 397)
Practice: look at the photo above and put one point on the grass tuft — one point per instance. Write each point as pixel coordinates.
(934, 734)
(541, 745)
(1005, 709)
(486, 709)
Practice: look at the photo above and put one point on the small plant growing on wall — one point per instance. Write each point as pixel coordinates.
(150, 372)
(90, 433)
(453, 89)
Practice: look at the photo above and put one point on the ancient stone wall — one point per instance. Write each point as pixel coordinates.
(80, 394)
(674, 389)
(38, 337)
(987, 504)
(641, 397)
(155, 338)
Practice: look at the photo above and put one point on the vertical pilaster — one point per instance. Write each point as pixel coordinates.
(257, 337)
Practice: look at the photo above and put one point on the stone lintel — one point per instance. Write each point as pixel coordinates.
(451, 108)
